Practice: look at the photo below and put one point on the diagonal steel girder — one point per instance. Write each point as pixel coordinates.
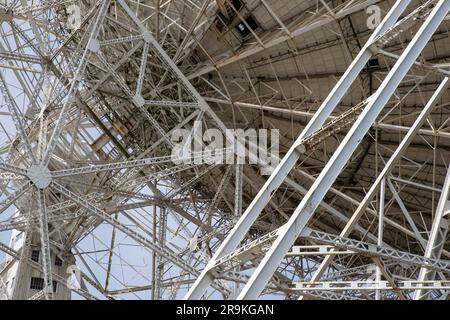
(310, 202)
(438, 236)
(280, 173)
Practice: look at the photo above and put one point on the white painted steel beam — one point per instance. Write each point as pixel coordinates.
(390, 165)
(280, 173)
(310, 202)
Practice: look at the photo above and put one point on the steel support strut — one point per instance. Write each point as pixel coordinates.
(280, 173)
(45, 246)
(310, 202)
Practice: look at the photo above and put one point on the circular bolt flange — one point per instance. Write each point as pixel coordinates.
(40, 176)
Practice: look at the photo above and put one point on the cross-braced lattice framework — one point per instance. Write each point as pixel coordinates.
(357, 208)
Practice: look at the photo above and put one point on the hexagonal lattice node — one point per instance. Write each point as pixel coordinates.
(40, 176)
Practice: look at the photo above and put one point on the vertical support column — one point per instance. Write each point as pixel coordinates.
(159, 260)
(238, 190)
(111, 254)
(380, 231)
(238, 210)
(154, 263)
(45, 246)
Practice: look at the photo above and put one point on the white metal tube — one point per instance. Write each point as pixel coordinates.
(279, 174)
(308, 205)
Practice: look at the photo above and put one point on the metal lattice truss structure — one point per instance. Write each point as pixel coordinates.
(92, 92)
